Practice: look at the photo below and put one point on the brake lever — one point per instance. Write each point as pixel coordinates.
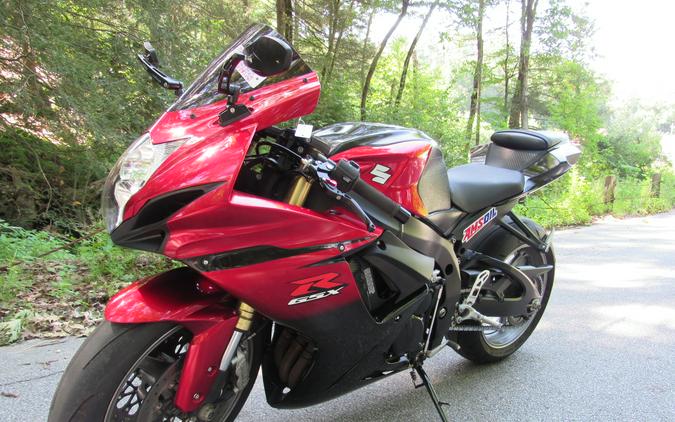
(322, 170)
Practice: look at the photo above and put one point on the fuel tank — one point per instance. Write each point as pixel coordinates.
(405, 164)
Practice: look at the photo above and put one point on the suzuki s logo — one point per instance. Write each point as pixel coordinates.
(381, 174)
(315, 288)
(478, 225)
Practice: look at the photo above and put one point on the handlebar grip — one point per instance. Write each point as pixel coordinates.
(381, 200)
(347, 175)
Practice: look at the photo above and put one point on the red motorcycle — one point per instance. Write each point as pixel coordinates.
(332, 258)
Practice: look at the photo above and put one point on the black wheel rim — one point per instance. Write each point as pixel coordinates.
(515, 327)
(147, 391)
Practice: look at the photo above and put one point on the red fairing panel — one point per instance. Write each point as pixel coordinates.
(208, 225)
(270, 287)
(213, 153)
(406, 161)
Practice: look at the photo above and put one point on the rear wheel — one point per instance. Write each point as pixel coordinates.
(495, 345)
(127, 372)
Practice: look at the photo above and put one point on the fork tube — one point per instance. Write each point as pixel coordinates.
(246, 313)
(298, 192)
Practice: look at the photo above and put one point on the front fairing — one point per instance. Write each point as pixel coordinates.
(211, 153)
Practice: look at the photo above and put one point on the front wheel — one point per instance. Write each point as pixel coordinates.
(130, 372)
(495, 345)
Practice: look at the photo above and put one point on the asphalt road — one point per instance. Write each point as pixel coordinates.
(605, 349)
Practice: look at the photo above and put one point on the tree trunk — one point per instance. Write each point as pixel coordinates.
(336, 48)
(474, 108)
(333, 11)
(656, 185)
(281, 22)
(519, 106)
(285, 18)
(411, 50)
(610, 187)
(507, 75)
(365, 47)
(289, 21)
(373, 64)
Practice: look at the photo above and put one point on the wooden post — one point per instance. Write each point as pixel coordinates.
(610, 186)
(656, 185)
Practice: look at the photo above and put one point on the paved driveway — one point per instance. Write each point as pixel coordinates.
(605, 350)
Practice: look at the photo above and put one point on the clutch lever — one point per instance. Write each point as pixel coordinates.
(356, 208)
(322, 170)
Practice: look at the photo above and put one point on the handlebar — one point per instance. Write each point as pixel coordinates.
(348, 178)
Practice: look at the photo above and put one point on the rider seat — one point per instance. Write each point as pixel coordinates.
(477, 186)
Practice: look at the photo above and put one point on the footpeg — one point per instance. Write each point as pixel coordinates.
(467, 312)
(481, 278)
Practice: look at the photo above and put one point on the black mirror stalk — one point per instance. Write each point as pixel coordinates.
(150, 62)
(224, 85)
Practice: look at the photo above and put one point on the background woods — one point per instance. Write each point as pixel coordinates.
(72, 97)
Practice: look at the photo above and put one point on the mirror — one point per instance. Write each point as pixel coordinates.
(151, 54)
(150, 62)
(268, 56)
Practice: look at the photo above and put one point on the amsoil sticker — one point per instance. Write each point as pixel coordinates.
(478, 225)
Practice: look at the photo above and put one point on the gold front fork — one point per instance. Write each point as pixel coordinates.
(298, 192)
(246, 313)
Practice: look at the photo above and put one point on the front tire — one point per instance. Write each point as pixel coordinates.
(128, 372)
(487, 347)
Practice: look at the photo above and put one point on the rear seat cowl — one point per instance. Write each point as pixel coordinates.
(521, 139)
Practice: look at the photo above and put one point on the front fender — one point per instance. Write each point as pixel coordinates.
(187, 298)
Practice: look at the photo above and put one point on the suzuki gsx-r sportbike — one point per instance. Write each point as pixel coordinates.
(329, 258)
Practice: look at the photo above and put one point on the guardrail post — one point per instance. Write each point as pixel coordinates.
(610, 186)
(656, 185)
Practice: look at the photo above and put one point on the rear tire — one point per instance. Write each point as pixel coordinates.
(89, 389)
(477, 346)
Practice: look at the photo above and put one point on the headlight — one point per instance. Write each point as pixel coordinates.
(130, 173)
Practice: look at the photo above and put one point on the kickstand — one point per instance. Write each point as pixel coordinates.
(432, 393)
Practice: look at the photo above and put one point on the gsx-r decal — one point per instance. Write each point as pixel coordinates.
(314, 288)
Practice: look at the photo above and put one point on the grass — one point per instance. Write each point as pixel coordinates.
(576, 200)
(64, 292)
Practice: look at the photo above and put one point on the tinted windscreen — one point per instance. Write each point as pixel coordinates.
(204, 89)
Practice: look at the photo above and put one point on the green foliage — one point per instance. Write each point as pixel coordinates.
(47, 184)
(632, 142)
(575, 199)
(73, 280)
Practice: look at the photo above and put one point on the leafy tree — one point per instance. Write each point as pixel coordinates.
(632, 142)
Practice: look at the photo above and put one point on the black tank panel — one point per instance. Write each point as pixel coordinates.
(339, 137)
(433, 186)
